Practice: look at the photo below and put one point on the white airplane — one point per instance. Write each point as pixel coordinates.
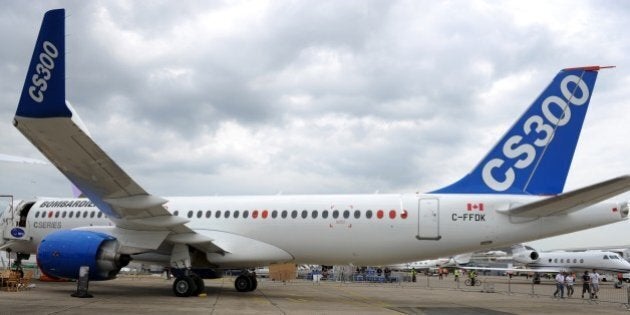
(493, 254)
(433, 264)
(559, 261)
(20, 159)
(515, 194)
(430, 264)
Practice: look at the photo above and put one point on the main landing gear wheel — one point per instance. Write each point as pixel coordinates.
(245, 283)
(201, 286)
(184, 286)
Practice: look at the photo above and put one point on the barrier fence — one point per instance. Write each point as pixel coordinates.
(609, 292)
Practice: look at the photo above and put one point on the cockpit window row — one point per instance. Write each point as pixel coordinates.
(293, 214)
(69, 214)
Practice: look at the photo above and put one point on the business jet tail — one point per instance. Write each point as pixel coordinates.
(534, 156)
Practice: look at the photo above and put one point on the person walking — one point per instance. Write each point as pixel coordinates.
(559, 285)
(586, 284)
(594, 284)
(569, 280)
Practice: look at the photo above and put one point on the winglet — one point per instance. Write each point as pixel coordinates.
(44, 91)
(588, 68)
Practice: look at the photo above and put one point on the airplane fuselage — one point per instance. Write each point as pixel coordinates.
(331, 229)
(581, 261)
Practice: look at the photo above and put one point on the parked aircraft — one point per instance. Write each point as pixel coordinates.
(434, 264)
(514, 194)
(558, 261)
(20, 159)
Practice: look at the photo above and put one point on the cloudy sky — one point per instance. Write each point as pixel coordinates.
(266, 97)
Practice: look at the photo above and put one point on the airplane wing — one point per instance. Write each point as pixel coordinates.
(574, 200)
(116, 194)
(45, 118)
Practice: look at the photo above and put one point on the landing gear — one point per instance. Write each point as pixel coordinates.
(191, 285)
(246, 282)
(199, 283)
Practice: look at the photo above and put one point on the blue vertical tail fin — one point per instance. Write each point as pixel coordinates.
(534, 156)
(44, 91)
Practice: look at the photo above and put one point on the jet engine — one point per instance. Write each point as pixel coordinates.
(62, 253)
(526, 256)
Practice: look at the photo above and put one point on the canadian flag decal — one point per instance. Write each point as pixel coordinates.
(474, 206)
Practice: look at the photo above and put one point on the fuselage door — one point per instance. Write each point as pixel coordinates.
(428, 219)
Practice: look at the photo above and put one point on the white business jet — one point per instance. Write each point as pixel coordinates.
(563, 261)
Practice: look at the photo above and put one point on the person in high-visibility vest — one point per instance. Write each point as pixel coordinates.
(457, 273)
(473, 277)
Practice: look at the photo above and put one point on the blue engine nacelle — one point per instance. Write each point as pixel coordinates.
(62, 253)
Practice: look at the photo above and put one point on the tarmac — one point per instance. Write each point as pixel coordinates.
(153, 295)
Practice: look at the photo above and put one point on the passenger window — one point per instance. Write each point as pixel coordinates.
(379, 214)
(227, 214)
(294, 214)
(85, 214)
(335, 214)
(175, 213)
(70, 214)
(368, 214)
(574, 260)
(549, 259)
(92, 214)
(57, 214)
(314, 214)
(555, 260)
(190, 214)
(37, 214)
(263, 214)
(581, 261)
(199, 214)
(605, 257)
(357, 214)
(392, 214)
(63, 214)
(236, 214)
(100, 214)
(346, 214)
(325, 214)
(304, 214)
(208, 214)
(284, 214)
(254, 214)
(274, 214)
(217, 214)
(245, 214)
(562, 261)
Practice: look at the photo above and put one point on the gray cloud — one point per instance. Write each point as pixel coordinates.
(322, 97)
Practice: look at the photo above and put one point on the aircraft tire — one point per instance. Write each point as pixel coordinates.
(201, 286)
(184, 286)
(243, 283)
(254, 283)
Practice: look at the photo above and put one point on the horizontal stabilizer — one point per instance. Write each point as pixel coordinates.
(574, 200)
